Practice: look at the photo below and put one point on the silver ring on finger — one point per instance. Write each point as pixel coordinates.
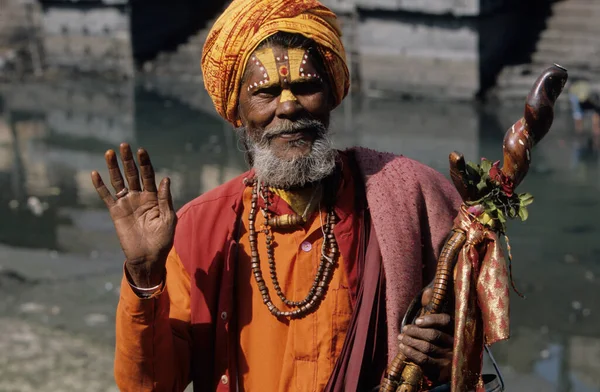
(122, 193)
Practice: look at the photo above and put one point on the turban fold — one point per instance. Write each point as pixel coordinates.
(245, 24)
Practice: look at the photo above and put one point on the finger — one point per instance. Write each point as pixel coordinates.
(415, 356)
(438, 321)
(165, 200)
(130, 169)
(427, 296)
(147, 171)
(434, 336)
(116, 179)
(424, 346)
(103, 192)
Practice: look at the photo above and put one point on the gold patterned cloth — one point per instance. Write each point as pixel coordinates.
(482, 301)
(245, 24)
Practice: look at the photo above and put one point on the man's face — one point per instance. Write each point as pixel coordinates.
(284, 91)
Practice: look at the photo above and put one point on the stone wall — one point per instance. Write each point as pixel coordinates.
(89, 39)
(81, 109)
(161, 26)
(437, 7)
(449, 49)
(415, 55)
(13, 20)
(20, 49)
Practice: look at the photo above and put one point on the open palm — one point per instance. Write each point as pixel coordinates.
(144, 218)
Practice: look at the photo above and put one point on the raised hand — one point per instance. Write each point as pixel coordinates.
(144, 218)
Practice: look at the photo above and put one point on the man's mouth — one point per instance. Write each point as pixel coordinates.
(290, 136)
(293, 136)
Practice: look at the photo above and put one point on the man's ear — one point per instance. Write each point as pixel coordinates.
(239, 122)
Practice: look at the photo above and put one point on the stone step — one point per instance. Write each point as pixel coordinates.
(568, 4)
(567, 60)
(577, 50)
(573, 23)
(573, 8)
(515, 93)
(518, 81)
(525, 74)
(569, 37)
(518, 95)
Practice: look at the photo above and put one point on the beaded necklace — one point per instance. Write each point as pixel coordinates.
(324, 271)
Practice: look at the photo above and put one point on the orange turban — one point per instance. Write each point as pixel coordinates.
(245, 24)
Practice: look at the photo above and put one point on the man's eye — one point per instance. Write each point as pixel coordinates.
(307, 88)
(272, 91)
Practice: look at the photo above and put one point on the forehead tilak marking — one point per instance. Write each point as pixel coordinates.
(265, 61)
(290, 65)
(300, 64)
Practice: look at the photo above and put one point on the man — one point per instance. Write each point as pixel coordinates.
(582, 99)
(348, 237)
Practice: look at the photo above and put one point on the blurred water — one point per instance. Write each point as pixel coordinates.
(54, 228)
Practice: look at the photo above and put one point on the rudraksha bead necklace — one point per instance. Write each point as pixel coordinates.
(324, 271)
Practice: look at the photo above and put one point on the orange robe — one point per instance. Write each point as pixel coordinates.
(289, 355)
(272, 355)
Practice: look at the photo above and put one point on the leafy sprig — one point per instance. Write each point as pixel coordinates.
(498, 201)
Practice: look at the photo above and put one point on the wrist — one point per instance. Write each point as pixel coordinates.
(145, 277)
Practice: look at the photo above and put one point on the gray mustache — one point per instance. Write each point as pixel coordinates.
(294, 126)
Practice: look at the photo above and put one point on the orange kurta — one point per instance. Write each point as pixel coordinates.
(289, 355)
(273, 355)
(155, 337)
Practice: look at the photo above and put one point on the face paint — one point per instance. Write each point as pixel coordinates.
(286, 95)
(283, 66)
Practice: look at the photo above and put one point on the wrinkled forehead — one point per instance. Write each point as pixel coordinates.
(278, 64)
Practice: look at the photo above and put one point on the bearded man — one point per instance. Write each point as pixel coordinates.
(295, 275)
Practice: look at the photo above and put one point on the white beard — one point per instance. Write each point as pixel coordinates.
(299, 171)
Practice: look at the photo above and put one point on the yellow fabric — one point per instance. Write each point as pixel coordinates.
(299, 200)
(297, 355)
(245, 24)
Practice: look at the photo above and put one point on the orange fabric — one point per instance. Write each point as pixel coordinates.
(245, 24)
(141, 335)
(296, 355)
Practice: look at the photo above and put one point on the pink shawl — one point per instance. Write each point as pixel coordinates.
(412, 208)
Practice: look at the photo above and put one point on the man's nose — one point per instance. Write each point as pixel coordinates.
(288, 106)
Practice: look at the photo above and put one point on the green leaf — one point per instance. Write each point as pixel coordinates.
(525, 199)
(490, 206)
(501, 216)
(482, 185)
(486, 166)
(512, 212)
(523, 214)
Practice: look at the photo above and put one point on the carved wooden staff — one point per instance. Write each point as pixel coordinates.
(402, 376)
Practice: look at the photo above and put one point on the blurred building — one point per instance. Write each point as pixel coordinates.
(20, 48)
(89, 36)
(437, 48)
(113, 36)
(569, 36)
